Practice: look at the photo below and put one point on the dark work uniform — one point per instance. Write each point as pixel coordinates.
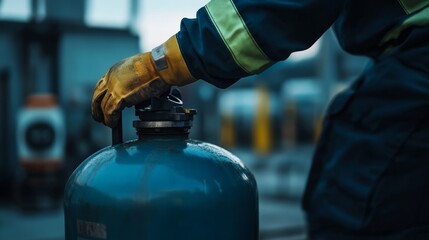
(370, 173)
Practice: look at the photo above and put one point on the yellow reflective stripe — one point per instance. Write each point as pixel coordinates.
(236, 36)
(411, 6)
(419, 19)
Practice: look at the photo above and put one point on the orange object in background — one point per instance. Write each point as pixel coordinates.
(41, 101)
(40, 142)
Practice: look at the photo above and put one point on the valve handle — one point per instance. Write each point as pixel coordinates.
(170, 98)
(117, 132)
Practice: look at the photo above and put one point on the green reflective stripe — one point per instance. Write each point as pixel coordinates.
(237, 38)
(420, 18)
(411, 6)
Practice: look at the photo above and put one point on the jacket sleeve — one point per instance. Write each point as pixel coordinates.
(231, 39)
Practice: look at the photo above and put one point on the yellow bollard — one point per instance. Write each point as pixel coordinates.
(262, 141)
(227, 131)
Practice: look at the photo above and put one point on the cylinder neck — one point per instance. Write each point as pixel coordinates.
(162, 132)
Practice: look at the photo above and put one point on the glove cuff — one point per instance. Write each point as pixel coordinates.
(169, 63)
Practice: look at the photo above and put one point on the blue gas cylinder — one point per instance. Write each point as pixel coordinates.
(162, 185)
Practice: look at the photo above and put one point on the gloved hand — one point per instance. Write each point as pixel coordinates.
(137, 78)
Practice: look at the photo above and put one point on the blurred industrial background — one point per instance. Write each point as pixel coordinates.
(54, 51)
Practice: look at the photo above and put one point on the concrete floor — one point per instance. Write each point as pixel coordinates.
(281, 220)
(278, 220)
(17, 225)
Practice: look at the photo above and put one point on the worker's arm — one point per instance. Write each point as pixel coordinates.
(231, 39)
(228, 40)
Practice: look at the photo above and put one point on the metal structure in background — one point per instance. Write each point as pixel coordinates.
(5, 168)
(59, 11)
(55, 53)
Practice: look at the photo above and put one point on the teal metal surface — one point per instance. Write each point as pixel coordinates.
(161, 187)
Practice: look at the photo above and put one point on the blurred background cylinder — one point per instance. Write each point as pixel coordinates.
(40, 141)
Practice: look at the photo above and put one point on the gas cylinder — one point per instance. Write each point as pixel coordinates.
(162, 185)
(40, 144)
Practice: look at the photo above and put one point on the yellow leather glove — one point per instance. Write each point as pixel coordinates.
(137, 78)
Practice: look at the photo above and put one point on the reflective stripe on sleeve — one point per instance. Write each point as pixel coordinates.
(236, 36)
(419, 19)
(411, 6)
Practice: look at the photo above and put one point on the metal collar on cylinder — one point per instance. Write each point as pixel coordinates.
(164, 115)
